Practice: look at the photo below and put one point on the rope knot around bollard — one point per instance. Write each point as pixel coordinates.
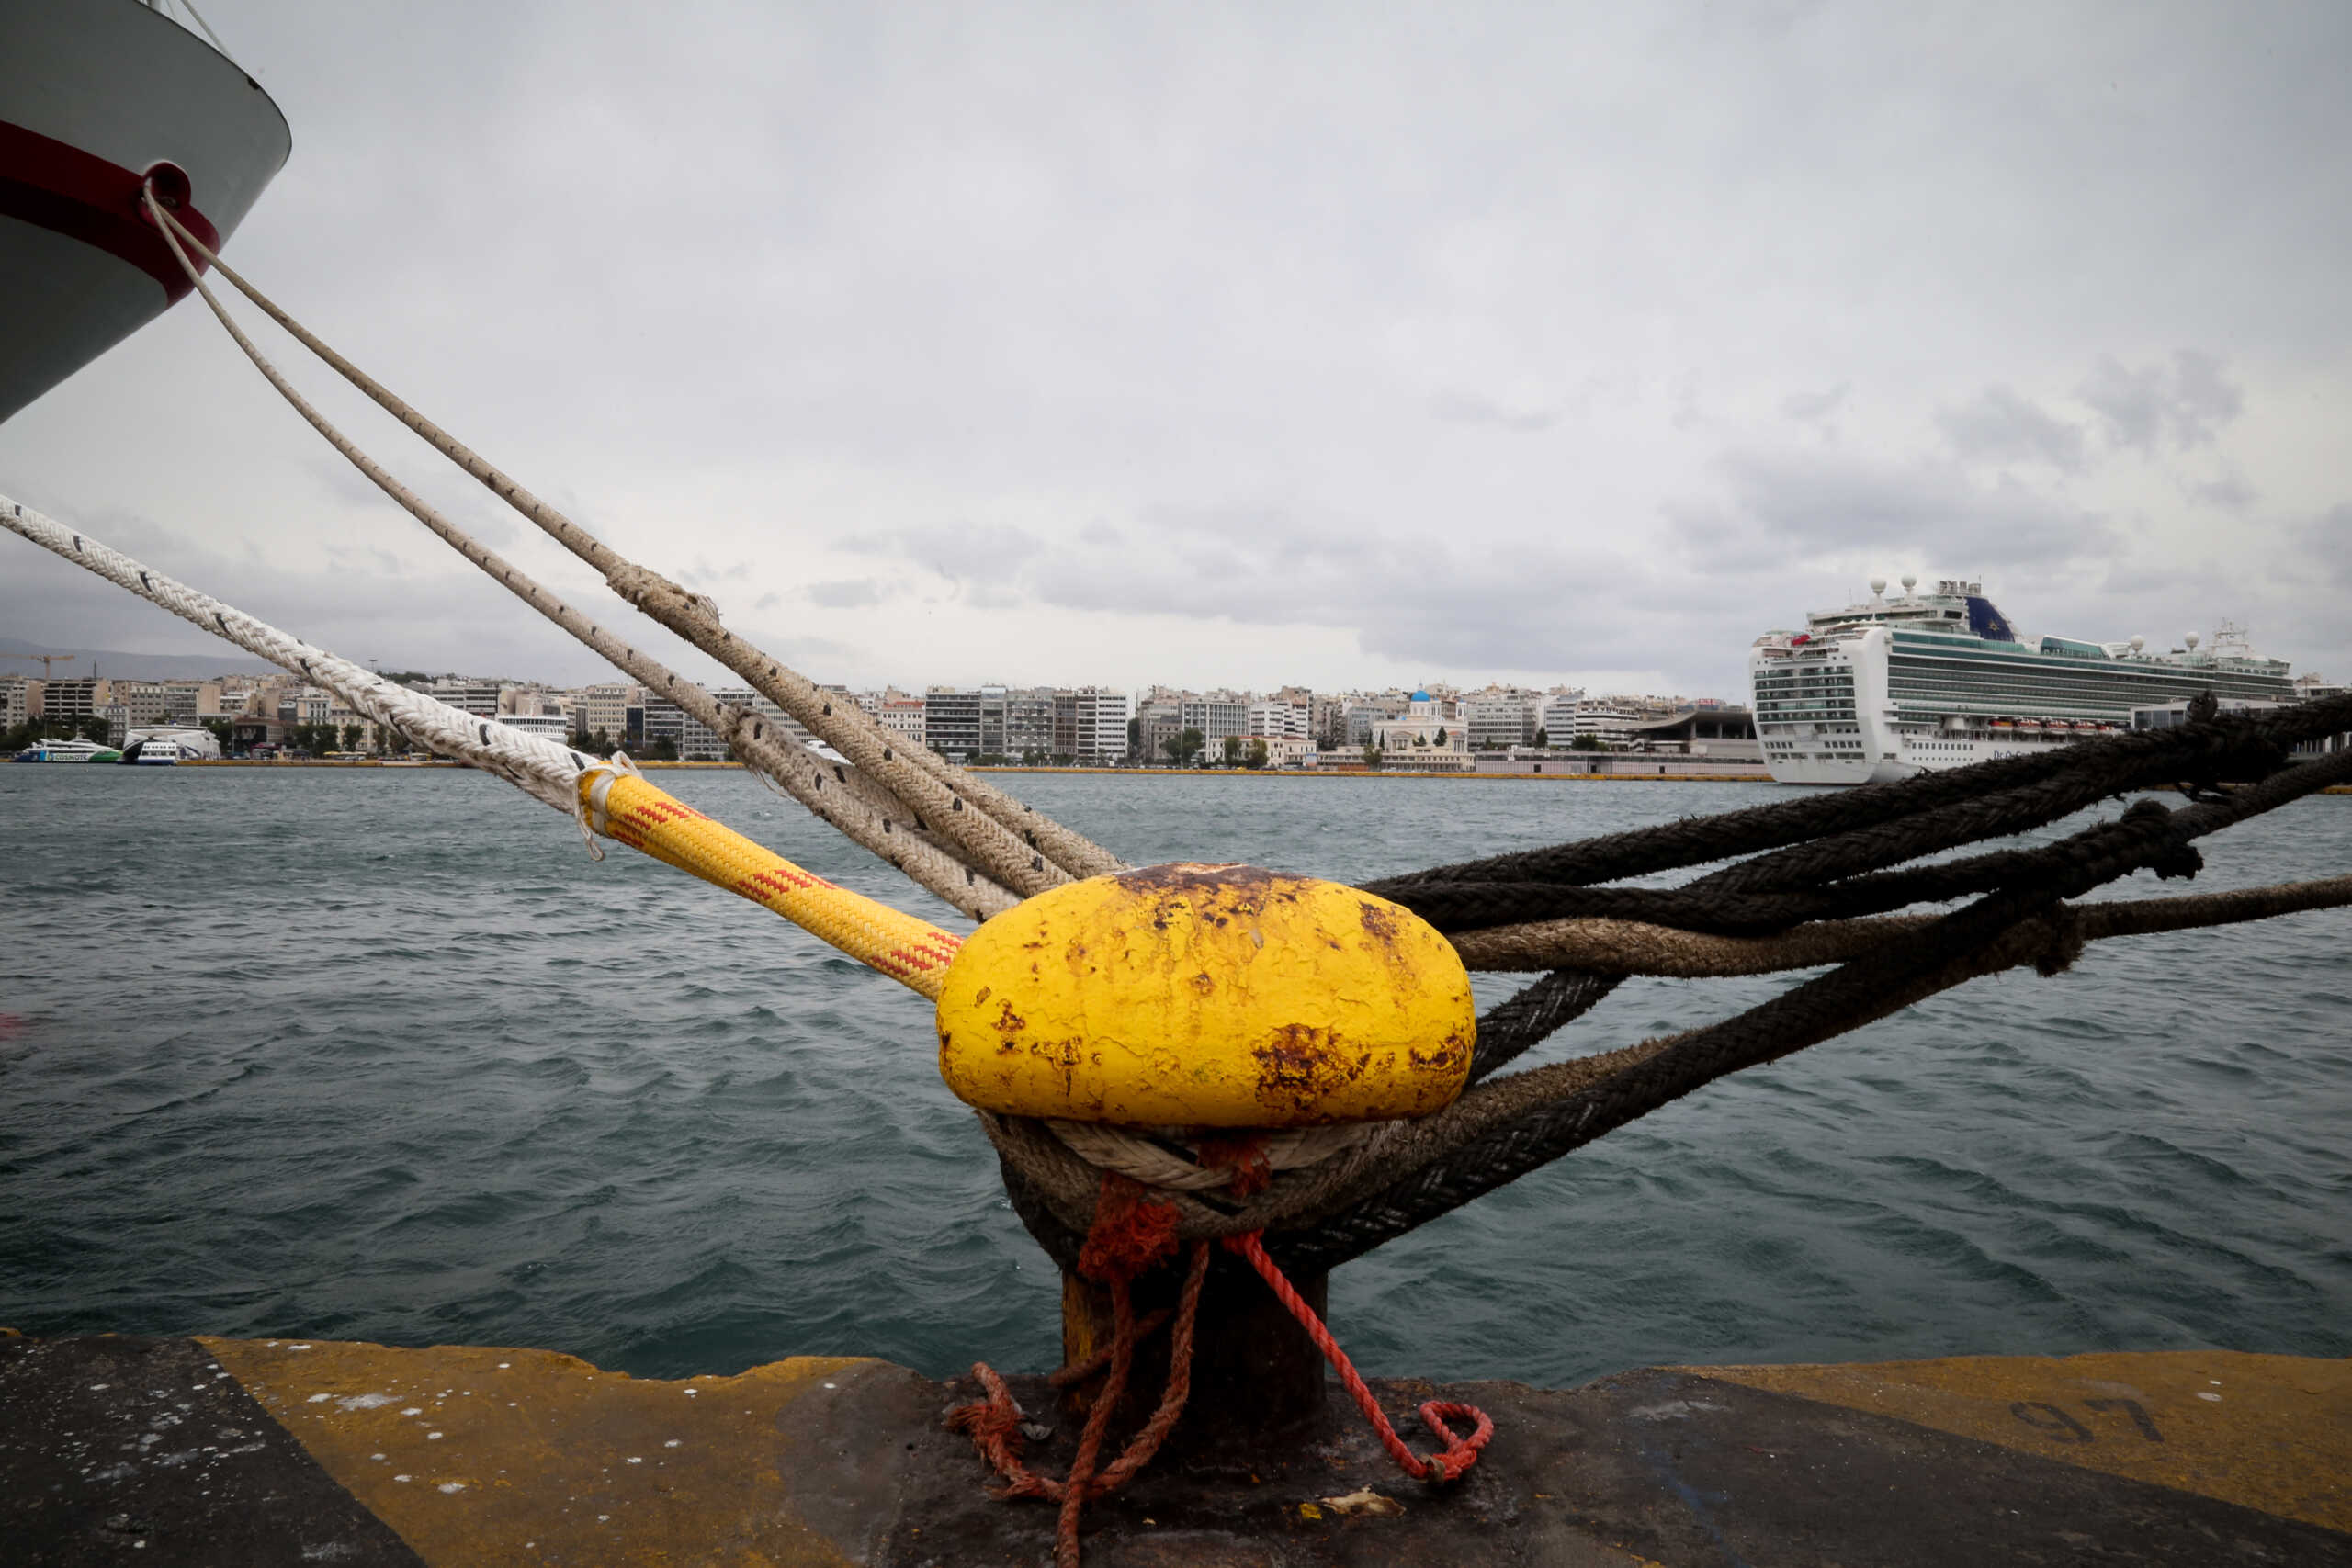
(1131, 1234)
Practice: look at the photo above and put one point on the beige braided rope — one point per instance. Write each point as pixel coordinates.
(1633, 947)
(863, 813)
(1157, 1162)
(1018, 846)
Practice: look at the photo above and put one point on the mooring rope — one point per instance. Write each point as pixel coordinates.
(866, 814)
(1501, 1129)
(1012, 842)
(1821, 833)
(542, 768)
(1629, 947)
(612, 799)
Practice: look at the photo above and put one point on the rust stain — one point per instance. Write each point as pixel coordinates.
(1442, 1056)
(1380, 921)
(1007, 1020)
(1301, 1067)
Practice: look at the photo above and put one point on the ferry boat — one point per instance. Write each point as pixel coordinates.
(102, 97)
(1893, 687)
(168, 745)
(68, 751)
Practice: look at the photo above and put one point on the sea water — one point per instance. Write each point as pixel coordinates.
(384, 1054)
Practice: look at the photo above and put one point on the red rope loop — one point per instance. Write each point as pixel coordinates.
(1129, 1236)
(1458, 1454)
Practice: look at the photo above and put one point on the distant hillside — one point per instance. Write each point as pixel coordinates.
(115, 662)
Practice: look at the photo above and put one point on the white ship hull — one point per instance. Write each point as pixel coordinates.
(97, 93)
(1889, 689)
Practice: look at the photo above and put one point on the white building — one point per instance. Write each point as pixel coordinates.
(1496, 721)
(1290, 751)
(901, 715)
(479, 698)
(605, 709)
(1281, 720)
(1216, 716)
(1090, 725)
(1422, 730)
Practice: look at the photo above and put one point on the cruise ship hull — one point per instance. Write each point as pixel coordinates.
(99, 95)
(1872, 704)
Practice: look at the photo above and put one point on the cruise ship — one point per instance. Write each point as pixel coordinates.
(1892, 687)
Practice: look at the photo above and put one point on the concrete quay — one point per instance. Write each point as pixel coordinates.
(258, 1453)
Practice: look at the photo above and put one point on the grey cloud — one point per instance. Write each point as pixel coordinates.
(1469, 408)
(2184, 405)
(2325, 549)
(1422, 598)
(963, 553)
(2229, 492)
(1810, 504)
(843, 593)
(2001, 425)
(1817, 409)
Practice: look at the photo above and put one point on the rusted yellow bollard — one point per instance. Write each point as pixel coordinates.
(1206, 996)
(1198, 999)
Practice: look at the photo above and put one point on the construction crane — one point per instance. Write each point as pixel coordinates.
(48, 661)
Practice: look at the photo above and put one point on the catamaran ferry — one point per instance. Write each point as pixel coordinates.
(1893, 687)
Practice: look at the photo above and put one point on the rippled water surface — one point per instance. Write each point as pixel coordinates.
(384, 1055)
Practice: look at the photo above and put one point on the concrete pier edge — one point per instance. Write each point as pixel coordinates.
(260, 1453)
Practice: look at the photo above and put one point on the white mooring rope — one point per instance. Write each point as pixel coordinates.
(545, 769)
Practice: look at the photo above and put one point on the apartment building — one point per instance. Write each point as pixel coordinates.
(901, 715)
(1090, 725)
(1217, 715)
(1280, 718)
(19, 697)
(606, 710)
(665, 720)
(73, 699)
(1028, 724)
(951, 720)
(310, 705)
(479, 698)
(141, 702)
(1158, 719)
(1495, 721)
(1361, 714)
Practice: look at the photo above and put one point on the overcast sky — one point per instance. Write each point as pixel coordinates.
(1342, 346)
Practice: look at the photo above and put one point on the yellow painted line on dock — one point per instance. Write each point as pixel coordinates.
(2266, 1432)
(476, 1456)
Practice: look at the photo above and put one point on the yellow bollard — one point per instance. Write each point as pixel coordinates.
(1206, 996)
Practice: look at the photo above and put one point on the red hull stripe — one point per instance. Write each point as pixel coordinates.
(56, 186)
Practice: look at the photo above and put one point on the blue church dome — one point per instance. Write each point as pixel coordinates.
(1420, 696)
